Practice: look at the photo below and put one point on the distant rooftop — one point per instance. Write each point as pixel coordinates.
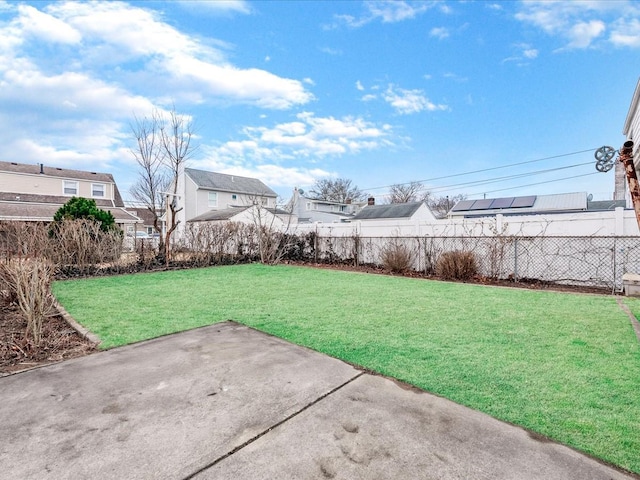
(563, 202)
(229, 183)
(393, 210)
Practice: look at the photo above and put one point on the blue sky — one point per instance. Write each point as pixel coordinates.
(290, 92)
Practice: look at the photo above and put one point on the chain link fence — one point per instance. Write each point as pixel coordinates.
(587, 261)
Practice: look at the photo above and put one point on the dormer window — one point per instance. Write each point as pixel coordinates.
(69, 188)
(98, 190)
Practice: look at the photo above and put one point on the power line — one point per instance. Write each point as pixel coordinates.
(507, 177)
(533, 184)
(482, 170)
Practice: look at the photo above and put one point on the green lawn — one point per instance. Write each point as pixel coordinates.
(564, 365)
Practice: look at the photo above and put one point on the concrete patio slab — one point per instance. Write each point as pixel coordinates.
(158, 409)
(375, 428)
(228, 402)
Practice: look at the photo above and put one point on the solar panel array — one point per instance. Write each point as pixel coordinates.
(495, 203)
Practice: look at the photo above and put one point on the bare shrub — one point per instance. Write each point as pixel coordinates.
(23, 239)
(28, 281)
(396, 256)
(81, 242)
(210, 243)
(457, 265)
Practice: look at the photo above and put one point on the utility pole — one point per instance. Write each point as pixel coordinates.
(626, 157)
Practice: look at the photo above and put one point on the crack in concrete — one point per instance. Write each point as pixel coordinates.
(272, 427)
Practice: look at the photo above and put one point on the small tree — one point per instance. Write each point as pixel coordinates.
(152, 179)
(440, 206)
(408, 192)
(163, 145)
(336, 190)
(83, 208)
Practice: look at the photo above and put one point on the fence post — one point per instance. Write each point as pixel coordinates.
(515, 259)
(615, 261)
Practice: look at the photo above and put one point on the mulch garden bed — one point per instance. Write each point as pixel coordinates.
(59, 342)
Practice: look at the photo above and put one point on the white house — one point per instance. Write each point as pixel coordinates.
(310, 210)
(200, 192)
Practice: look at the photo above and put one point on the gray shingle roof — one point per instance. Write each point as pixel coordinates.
(213, 215)
(34, 169)
(393, 210)
(44, 212)
(229, 183)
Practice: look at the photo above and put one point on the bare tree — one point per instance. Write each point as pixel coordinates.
(336, 190)
(176, 134)
(272, 229)
(163, 145)
(440, 206)
(152, 177)
(408, 192)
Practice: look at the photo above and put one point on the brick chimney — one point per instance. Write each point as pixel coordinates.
(371, 201)
(620, 182)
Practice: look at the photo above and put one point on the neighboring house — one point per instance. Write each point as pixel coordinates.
(253, 214)
(531, 205)
(310, 210)
(631, 128)
(200, 192)
(413, 211)
(146, 219)
(33, 193)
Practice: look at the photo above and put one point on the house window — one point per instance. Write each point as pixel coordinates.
(213, 199)
(69, 187)
(234, 197)
(97, 190)
(149, 230)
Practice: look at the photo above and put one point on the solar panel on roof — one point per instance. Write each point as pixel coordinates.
(462, 205)
(481, 204)
(521, 202)
(502, 202)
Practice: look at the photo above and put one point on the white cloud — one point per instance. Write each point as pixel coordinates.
(525, 53)
(308, 137)
(407, 102)
(391, 11)
(331, 51)
(35, 23)
(359, 86)
(455, 77)
(626, 33)
(122, 32)
(439, 32)
(582, 34)
(582, 24)
(397, 11)
(218, 7)
(71, 74)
